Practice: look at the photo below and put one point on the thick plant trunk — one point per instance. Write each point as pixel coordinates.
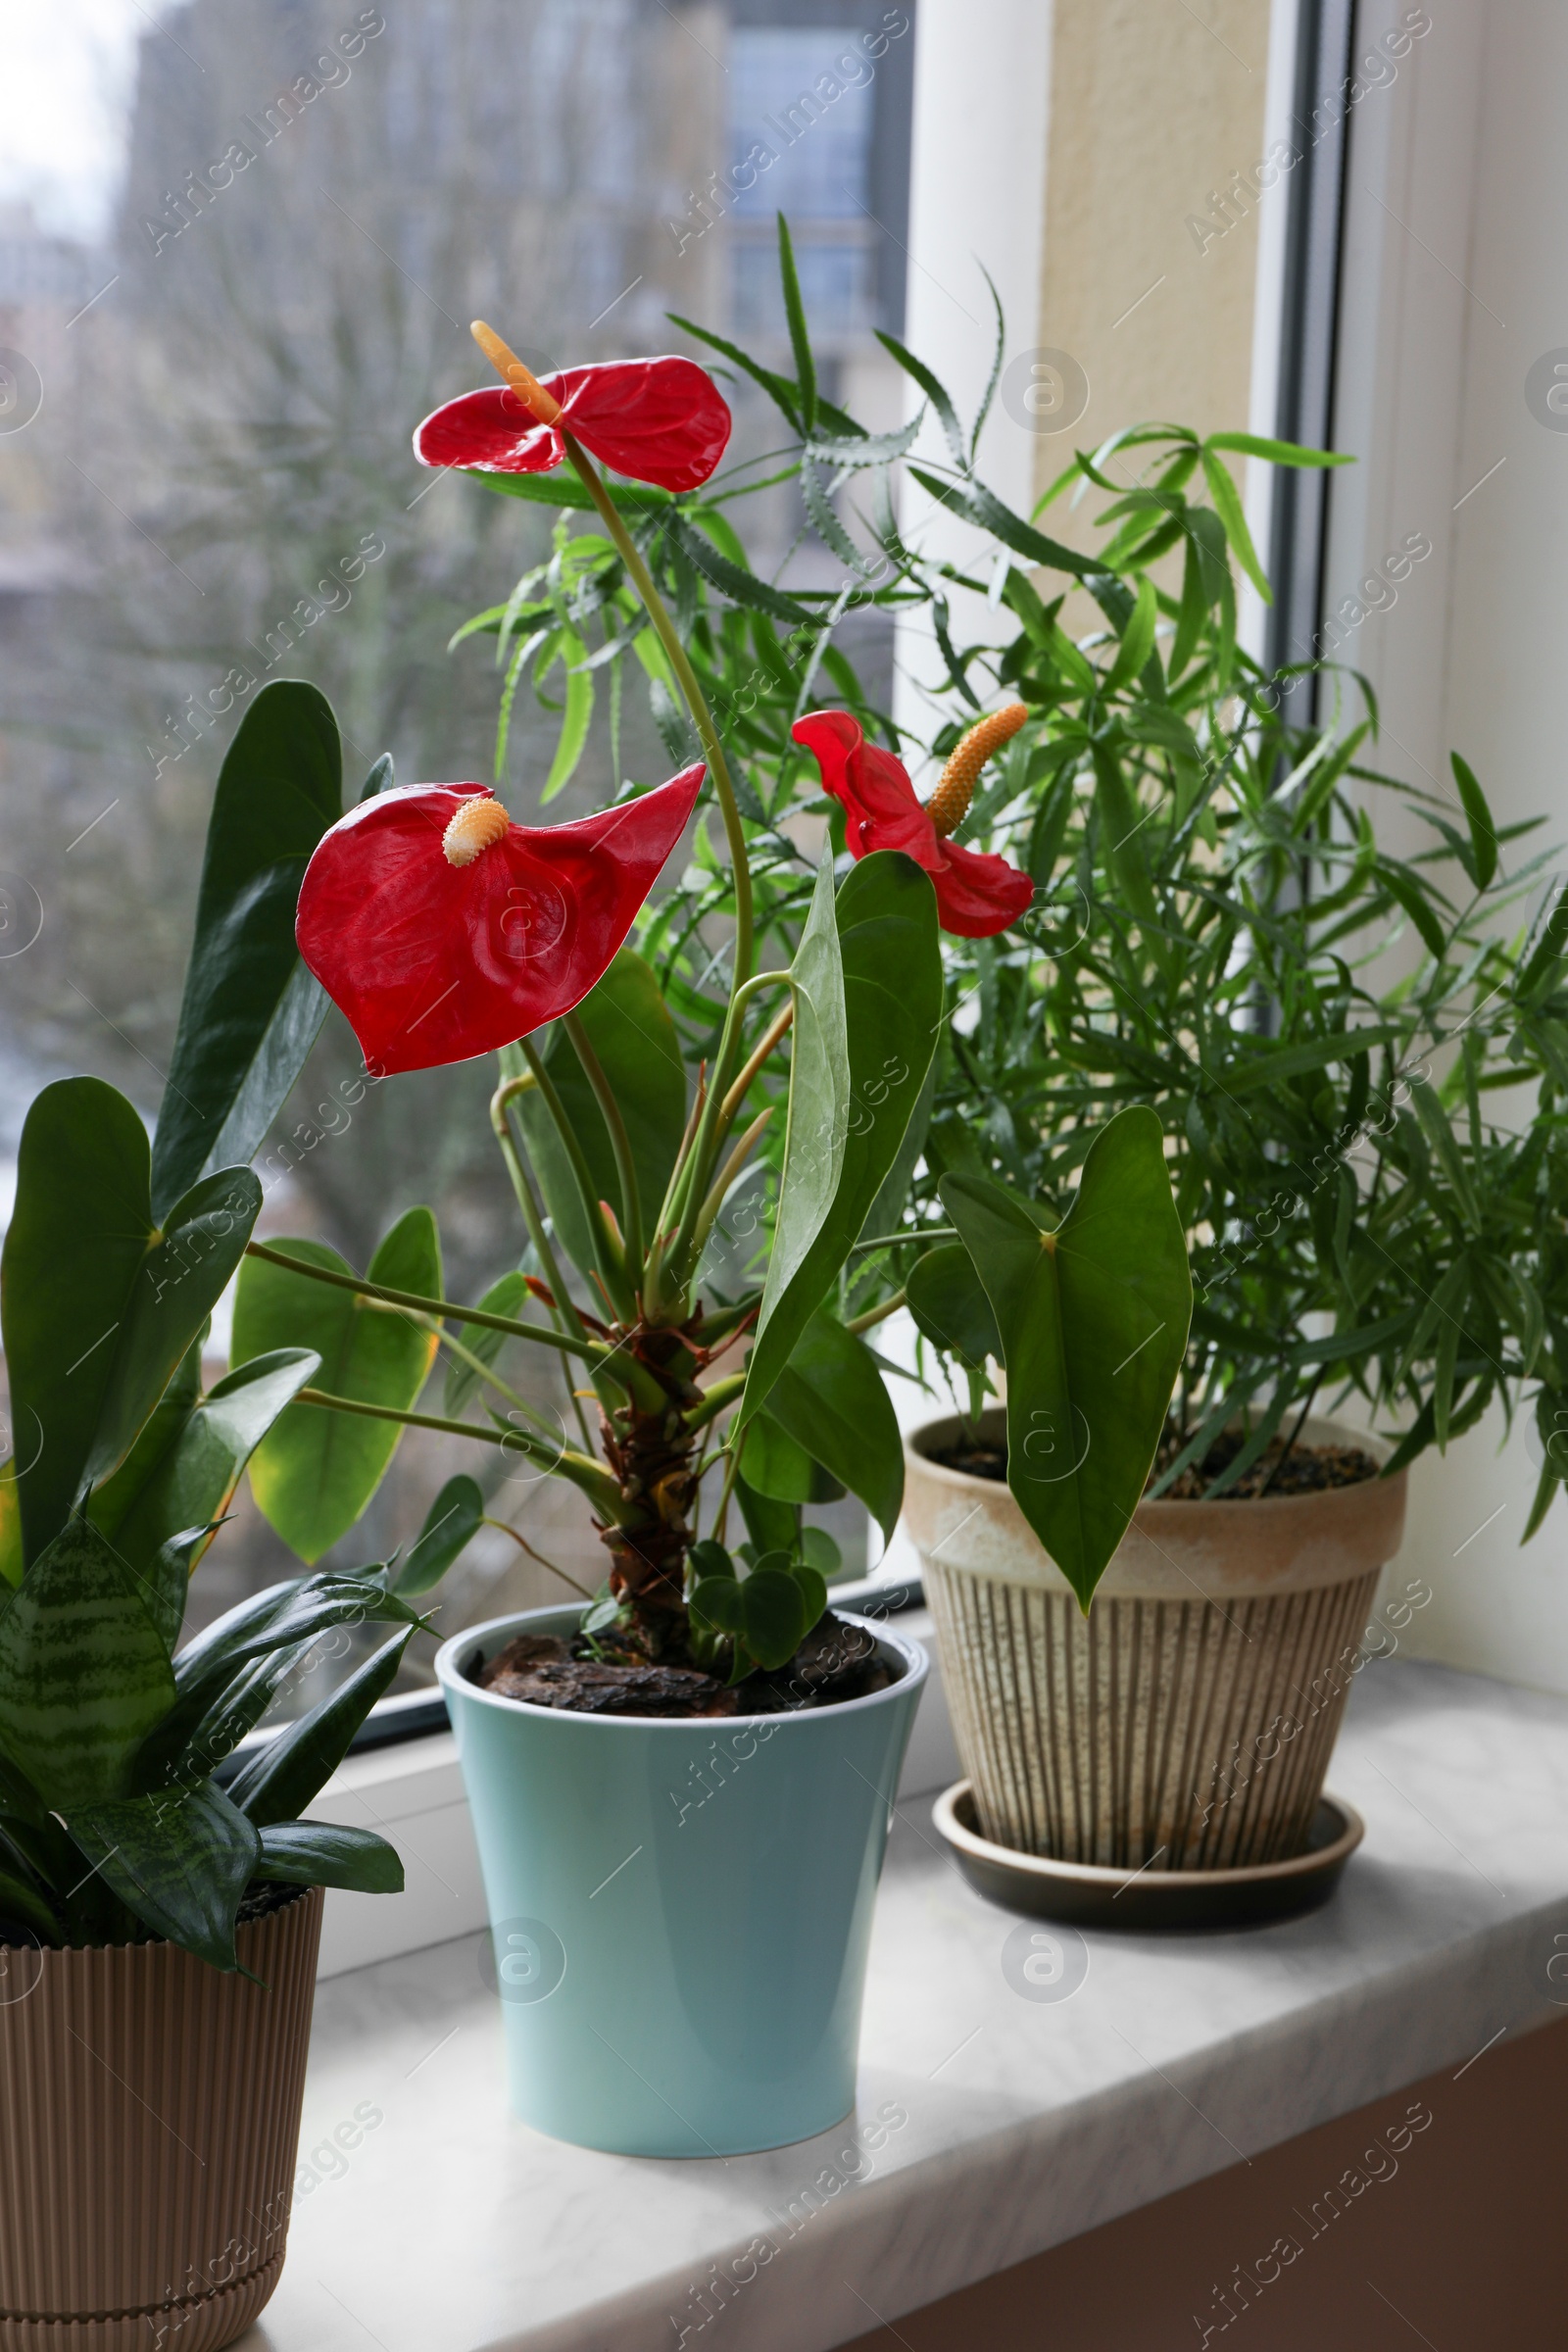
(653, 1455)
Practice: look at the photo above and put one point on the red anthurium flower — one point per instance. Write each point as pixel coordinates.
(657, 421)
(442, 930)
(977, 894)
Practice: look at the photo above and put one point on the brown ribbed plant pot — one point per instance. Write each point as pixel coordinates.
(1187, 1722)
(149, 2125)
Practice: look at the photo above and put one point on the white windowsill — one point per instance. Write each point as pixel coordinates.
(450, 2223)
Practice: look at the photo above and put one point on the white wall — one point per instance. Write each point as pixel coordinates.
(982, 89)
(1456, 222)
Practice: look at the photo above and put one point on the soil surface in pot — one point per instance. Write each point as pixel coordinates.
(836, 1661)
(1303, 1470)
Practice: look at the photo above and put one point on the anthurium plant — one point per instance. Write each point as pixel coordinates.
(1222, 927)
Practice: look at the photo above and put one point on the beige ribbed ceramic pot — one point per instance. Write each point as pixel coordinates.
(1186, 1723)
(149, 2125)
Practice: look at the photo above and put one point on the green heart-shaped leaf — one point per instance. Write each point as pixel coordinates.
(316, 1470)
(1093, 1318)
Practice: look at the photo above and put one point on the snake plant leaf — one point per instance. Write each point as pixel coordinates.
(870, 1013)
(225, 1677)
(84, 1671)
(832, 1400)
(193, 1480)
(314, 1470)
(98, 1304)
(452, 1522)
(109, 1501)
(181, 1860)
(10, 1554)
(319, 1853)
(1093, 1318)
(282, 1779)
(164, 1582)
(21, 1905)
(185, 1268)
(251, 1010)
(949, 1303)
(629, 1027)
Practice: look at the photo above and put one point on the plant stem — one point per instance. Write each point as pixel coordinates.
(595, 1481)
(715, 1400)
(876, 1314)
(590, 1350)
(696, 700)
(538, 1555)
(565, 1306)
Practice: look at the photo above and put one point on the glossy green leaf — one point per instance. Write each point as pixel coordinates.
(181, 1860)
(193, 1480)
(629, 1027)
(508, 1296)
(10, 1552)
(842, 1139)
(832, 1400)
(98, 1304)
(318, 1853)
(949, 1303)
(84, 1674)
(316, 1470)
(251, 1012)
(1479, 819)
(771, 1525)
(778, 1466)
(452, 1522)
(1093, 1318)
(290, 1773)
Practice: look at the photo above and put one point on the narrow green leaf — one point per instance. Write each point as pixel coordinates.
(1094, 1321)
(292, 1770)
(1228, 506)
(1477, 816)
(1278, 453)
(935, 392)
(573, 737)
(1138, 640)
(800, 337)
(1402, 884)
(251, 1012)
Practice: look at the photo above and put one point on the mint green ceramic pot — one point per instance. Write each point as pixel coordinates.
(679, 1911)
